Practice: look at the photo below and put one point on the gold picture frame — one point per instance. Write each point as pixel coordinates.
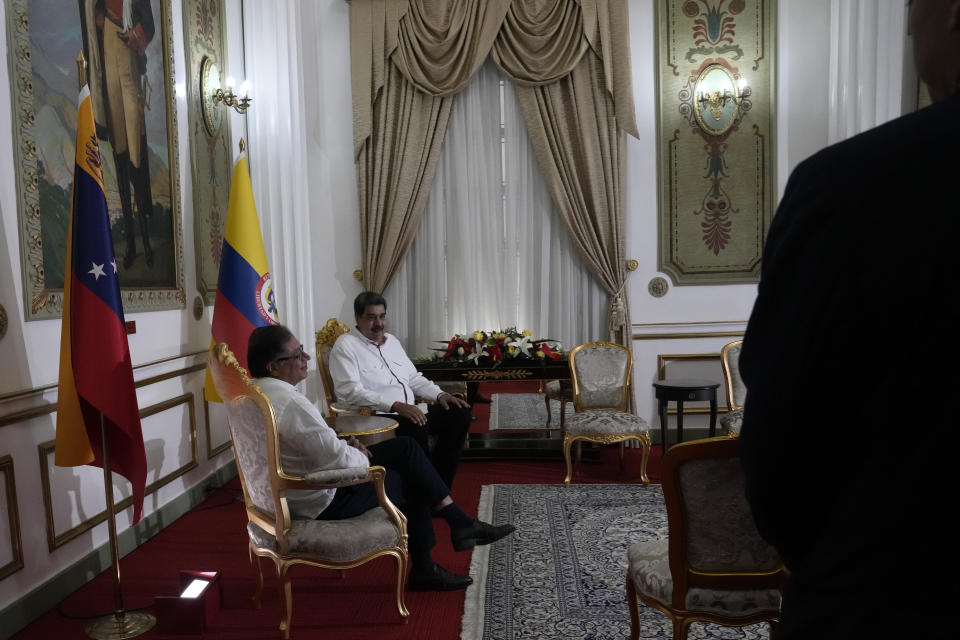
(147, 231)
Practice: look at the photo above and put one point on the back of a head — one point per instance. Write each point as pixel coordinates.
(264, 346)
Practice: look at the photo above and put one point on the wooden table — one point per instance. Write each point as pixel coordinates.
(681, 390)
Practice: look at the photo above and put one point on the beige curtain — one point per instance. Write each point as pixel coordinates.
(571, 59)
(581, 152)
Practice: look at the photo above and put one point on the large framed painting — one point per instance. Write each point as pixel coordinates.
(210, 153)
(716, 68)
(129, 51)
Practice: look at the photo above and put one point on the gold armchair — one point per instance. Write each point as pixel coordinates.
(347, 420)
(713, 566)
(328, 544)
(601, 373)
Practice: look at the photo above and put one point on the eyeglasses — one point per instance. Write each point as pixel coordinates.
(299, 354)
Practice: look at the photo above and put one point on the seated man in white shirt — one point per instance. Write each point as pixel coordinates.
(277, 361)
(370, 368)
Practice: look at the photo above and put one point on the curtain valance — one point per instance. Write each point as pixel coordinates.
(437, 45)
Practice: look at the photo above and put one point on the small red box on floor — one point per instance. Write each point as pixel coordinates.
(194, 609)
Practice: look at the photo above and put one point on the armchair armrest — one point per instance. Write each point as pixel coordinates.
(333, 478)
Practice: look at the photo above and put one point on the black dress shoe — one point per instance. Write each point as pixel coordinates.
(478, 533)
(438, 579)
(480, 399)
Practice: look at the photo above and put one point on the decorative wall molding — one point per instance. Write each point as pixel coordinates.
(213, 450)
(13, 517)
(55, 539)
(689, 330)
(26, 393)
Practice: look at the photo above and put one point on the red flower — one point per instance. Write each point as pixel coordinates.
(496, 353)
(455, 346)
(548, 352)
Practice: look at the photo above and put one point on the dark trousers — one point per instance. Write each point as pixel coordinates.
(448, 428)
(411, 483)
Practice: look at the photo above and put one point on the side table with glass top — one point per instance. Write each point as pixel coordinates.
(682, 390)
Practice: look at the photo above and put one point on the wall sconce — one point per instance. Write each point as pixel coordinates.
(212, 94)
(721, 98)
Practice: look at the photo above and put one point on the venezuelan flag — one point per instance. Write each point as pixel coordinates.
(245, 298)
(96, 378)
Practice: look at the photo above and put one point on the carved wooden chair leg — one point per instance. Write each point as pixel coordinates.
(546, 400)
(257, 576)
(286, 600)
(401, 577)
(681, 626)
(645, 458)
(567, 441)
(634, 603)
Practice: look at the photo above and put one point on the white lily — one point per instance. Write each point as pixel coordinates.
(476, 355)
(522, 345)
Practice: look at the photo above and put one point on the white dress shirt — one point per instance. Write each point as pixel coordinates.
(307, 444)
(368, 374)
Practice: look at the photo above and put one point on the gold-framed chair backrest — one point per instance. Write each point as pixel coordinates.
(601, 373)
(253, 433)
(713, 541)
(326, 337)
(730, 361)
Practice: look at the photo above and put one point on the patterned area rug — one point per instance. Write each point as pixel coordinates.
(561, 575)
(523, 411)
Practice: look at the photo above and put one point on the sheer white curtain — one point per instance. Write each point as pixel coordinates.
(491, 252)
(866, 53)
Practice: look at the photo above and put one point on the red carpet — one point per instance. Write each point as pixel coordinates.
(359, 605)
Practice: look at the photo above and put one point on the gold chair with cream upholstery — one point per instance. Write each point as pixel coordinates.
(714, 566)
(328, 544)
(736, 390)
(601, 373)
(347, 420)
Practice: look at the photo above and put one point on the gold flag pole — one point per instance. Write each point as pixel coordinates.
(120, 624)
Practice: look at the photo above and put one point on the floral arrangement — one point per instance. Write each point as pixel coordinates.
(491, 347)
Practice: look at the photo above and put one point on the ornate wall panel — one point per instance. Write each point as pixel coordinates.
(717, 192)
(210, 154)
(44, 39)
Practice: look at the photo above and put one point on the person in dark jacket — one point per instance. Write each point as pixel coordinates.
(850, 360)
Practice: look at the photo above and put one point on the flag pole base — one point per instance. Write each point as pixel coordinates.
(116, 626)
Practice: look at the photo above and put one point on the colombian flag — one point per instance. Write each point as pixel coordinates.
(96, 378)
(245, 297)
